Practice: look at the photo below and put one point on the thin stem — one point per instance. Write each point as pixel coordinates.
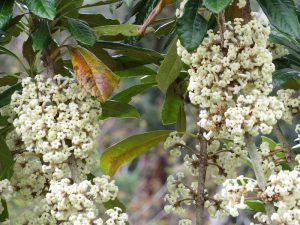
(260, 176)
(188, 148)
(200, 218)
(221, 24)
(286, 147)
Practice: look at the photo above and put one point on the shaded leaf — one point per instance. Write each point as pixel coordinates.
(165, 29)
(256, 205)
(28, 53)
(41, 37)
(6, 160)
(170, 68)
(42, 8)
(8, 80)
(286, 78)
(148, 79)
(216, 6)
(4, 215)
(92, 74)
(6, 12)
(95, 20)
(130, 148)
(282, 15)
(69, 8)
(289, 42)
(123, 29)
(181, 120)
(191, 26)
(135, 71)
(114, 203)
(81, 31)
(127, 95)
(5, 96)
(118, 110)
(143, 54)
(171, 106)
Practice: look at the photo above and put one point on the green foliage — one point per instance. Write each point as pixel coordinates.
(123, 29)
(216, 6)
(4, 215)
(81, 31)
(119, 110)
(6, 160)
(5, 96)
(6, 11)
(41, 37)
(191, 26)
(135, 71)
(286, 78)
(119, 154)
(42, 8)
(282, 14)
(256, 205)
(170, 68)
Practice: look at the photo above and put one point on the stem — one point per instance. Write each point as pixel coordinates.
(260, 176)
(73, 169)
(48, 62)
(200, 219)
(286, 147)
(221, 24)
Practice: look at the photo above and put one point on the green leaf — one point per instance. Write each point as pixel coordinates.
(130, 148)
(282, 15)
(119, 110)
(41, 37)
(127, 95)
(81, 31)
(143, 54)
(216, 6)
(8, 80)
(272, 144)
(69, 8)
(148, 79)
(4, 215)
(42, 8)
(171, 106)
(191, 26)
(6, 95)
(95, 20)
(6, 160)
(256, 205)
(289, 42)
(181, 120)
(29, 53)
(287, 79)
(170, 68)
(135, 71)
(6, 12)
(165, 29)
(123, 29)
(114, 203)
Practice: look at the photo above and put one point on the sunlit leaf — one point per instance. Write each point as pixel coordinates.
(93, 74)
(123, 29)
(130, 148)
(256, 205)
(42, 8)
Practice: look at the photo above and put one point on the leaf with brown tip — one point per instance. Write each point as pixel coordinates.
(92, 73)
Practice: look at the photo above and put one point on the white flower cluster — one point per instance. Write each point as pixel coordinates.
(6, 192)
(242, 3)
(54, 139)
(77, 201)
(179, 195)
(232, 196)
(277, 50)
(291, 101)
(174, 143)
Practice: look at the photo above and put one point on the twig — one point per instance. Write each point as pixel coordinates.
(286, 147)
(200, 219)
(221, 24)
(260, 176)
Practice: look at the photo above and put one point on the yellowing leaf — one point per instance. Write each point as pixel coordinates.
(92, 73)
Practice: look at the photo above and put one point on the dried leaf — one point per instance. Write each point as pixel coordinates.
(92, 73)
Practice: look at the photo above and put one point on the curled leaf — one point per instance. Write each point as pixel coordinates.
(92, 73)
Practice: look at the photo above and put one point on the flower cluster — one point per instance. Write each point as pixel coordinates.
(6, 191)
(291, 101)
(174, 143)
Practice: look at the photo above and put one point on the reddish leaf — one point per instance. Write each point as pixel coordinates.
(92, 73)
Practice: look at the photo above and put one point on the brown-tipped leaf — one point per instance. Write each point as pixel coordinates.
(93, 74)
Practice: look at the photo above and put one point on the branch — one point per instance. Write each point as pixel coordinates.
(285, 145)
(260, 176)
(200, 219)
(221, 24)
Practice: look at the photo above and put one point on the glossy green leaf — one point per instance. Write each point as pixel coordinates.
(6, 12)
(41, 37)
(123, 29)
(81, 31)
(143, 54)
(170, 68)
(95, 20)
(282, 15)
(256, 205)
(287, 79)
(272, 144)
(171, 106)
(42, 8)
(119, 110)
(5, 96)
(69, 8)
(127, 95)
(6, 160)
(216, 6)
(165, 29)
(191, 26)
(289, 42)
(130, 148)
(148, 79)
(135, 71)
